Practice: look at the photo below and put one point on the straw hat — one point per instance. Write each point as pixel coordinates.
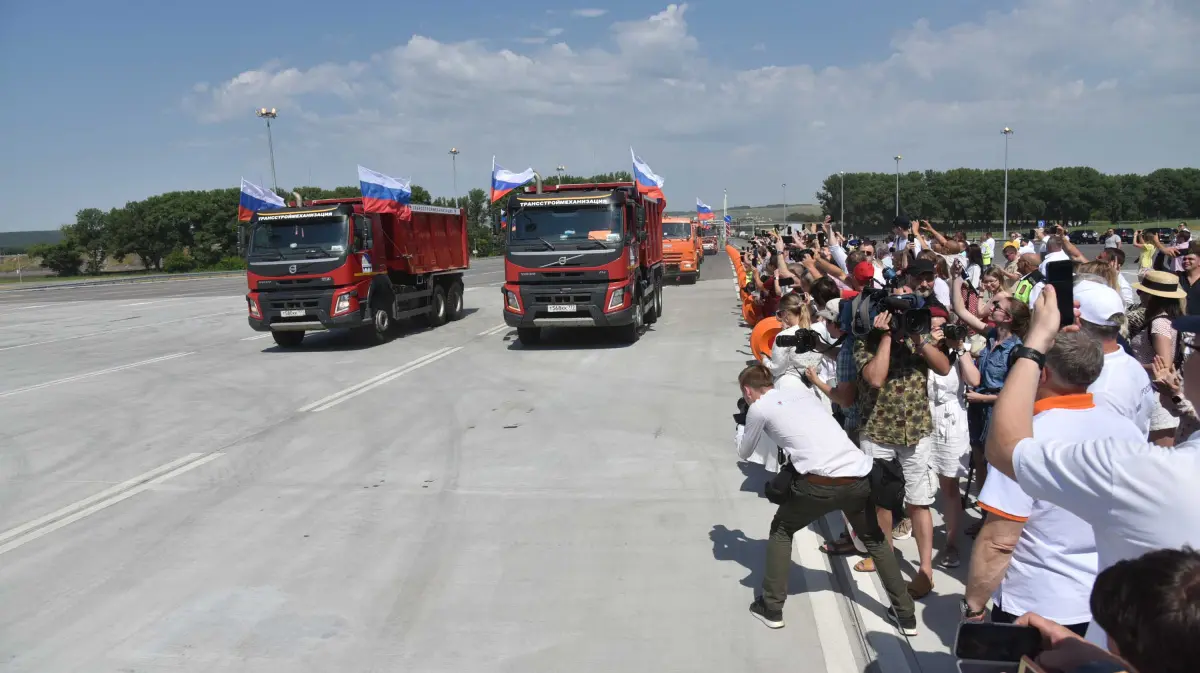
(1161, 284)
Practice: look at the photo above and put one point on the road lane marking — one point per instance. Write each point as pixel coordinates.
(35, 529)
(80, 377)
(256, 337)
(494, 330)
(156, 301)
(115, 331)
(376, 381)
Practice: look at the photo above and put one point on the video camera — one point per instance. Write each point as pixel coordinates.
(803, 340)
(954, 332)
(909, 314)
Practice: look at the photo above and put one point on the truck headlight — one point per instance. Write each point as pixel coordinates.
(342, 304)
(252, 306)
(618, 298)
(510, 299)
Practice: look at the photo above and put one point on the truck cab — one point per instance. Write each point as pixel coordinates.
(582, 255)
(708, 238)
(682, 253)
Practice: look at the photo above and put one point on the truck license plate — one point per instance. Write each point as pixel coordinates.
(291, 314)
(562, 308)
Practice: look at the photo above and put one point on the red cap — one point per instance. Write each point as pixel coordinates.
(938, 312)
(864, 272)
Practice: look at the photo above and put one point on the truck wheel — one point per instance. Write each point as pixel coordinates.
(655, 303)
(633, 331)
(691, 280)
(437, 307)
(287, 339)
(529, 336)
(454, 301)
(380, 329)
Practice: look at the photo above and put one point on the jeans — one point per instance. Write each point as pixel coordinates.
(808, 503)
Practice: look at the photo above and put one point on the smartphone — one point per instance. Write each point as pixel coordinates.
(821, 237)
(912, 237)
(996, 643)
(1061, 274)
(788, 239)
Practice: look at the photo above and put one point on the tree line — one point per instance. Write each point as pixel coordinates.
(199, 230)
(968, 196)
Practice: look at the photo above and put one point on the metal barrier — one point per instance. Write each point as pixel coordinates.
(152, 278)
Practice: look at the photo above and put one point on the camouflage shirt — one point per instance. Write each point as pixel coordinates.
(897, 412)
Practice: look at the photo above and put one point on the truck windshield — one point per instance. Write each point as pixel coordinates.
(299, 237)
(566, 225)
(677, 230)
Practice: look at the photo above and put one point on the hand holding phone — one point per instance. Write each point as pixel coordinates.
(1060, 274)
(991, 642)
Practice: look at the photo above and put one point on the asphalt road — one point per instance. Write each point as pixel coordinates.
(180, 495)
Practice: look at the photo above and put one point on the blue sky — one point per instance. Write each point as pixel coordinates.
(105, 104)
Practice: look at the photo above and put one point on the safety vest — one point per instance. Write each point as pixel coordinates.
(1025, 286)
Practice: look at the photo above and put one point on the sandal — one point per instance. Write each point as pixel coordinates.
(840, 547)
(866, 565)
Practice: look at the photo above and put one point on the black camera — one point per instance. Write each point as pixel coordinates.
(803, 340)
(908, 314)
(743, 408)
(954, 332)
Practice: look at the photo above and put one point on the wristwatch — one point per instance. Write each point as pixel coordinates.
(1027, 352)
(968, 614)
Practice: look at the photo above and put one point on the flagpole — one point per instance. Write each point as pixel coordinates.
(724, 214)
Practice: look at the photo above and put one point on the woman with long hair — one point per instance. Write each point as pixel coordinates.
(785, 364)
(974, 265)
(991, 286)
(1161, 302)
(1007, 322)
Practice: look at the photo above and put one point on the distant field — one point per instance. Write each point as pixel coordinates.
(20, 240)
(773, 212)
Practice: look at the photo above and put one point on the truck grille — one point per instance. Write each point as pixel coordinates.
(672, 257)
(292, 303)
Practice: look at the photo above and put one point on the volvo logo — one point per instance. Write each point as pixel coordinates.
(292, 269)
(562, 261)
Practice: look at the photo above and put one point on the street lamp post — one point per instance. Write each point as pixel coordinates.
(785, 207)
(1007, 132)
(560, 169)
(898, 158)
(268, 115)
(842, 203)
(454, 172)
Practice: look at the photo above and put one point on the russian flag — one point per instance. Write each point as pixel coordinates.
(254, 199)
(703, 212)
(504, 181)
(384, 194)
(648, 182)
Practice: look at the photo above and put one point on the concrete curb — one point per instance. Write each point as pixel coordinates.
(155, 278)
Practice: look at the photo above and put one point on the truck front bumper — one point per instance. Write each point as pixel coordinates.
(589, 302)
(316, 316)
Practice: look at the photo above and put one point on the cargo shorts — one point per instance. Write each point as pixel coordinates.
(920, 483)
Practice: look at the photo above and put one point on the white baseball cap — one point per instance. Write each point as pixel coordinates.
(831, 309)
(1098, 303)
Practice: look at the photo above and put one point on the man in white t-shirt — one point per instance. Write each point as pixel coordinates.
(829, 474)
(1054, 253)
(1124, 386)
(1112, 239)
(1137, 496)
(1031, 555)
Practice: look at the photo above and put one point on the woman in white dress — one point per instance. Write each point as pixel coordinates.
(787, 363)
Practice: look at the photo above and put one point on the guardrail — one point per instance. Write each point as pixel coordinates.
(151, 278)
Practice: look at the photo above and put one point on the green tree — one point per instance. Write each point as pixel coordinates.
(63, 258)
(92, 236)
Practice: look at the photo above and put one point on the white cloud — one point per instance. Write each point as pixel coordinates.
(589, 13)
(1049, 68)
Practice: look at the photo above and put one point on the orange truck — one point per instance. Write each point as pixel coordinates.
(682, 253)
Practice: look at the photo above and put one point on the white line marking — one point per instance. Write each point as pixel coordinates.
(89, 375)
(495, 284)
(256, 337)
(485, 273)
(376, 381)
(493, 330)
(472, 289)
(115, 331)
(156, 301)
(832, 630)
(77, 510)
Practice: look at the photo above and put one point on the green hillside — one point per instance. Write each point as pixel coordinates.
(16, 242)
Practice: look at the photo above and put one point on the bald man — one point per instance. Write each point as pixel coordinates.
(1030, 285)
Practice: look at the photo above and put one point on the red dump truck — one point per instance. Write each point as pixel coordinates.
(327, 265)
(585, 255)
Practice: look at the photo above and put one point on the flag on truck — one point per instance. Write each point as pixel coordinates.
(703, 211)
(648, 182)
(504, 181)
(384, 194)
(254, 199)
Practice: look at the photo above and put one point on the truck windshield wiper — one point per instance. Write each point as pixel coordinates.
(258, 254)
(548, 245)
(594, 242)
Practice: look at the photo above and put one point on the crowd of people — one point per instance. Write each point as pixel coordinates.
(923, 370)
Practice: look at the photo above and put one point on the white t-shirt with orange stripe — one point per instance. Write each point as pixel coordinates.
(1054, 564)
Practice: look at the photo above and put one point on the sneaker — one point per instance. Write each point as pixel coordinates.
(773, 620)
(902, 530)
(949, 558)
(907, 627)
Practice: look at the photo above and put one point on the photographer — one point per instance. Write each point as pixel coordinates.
(787, 363)
(828, 474)
(893, 399)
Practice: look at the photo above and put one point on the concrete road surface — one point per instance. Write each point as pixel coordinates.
(180, 495)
